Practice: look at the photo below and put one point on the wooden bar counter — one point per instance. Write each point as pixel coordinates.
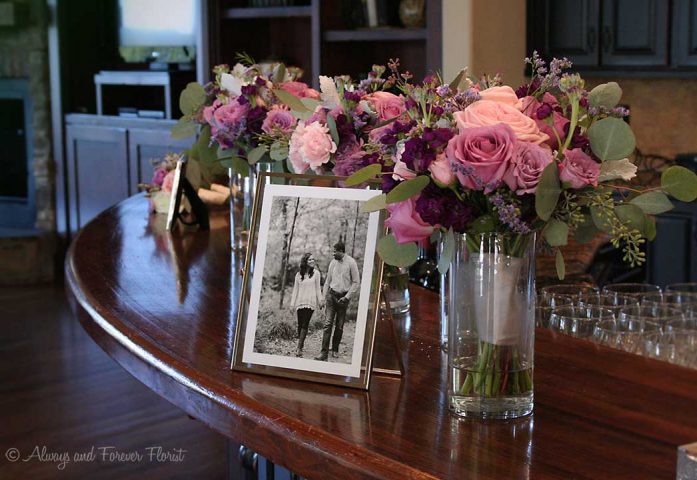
(164, 307)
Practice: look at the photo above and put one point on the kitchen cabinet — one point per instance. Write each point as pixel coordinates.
(107, 157)
(685, 33)
(672, 256)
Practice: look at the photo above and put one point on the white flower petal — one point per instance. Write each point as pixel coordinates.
(231, 84)
(617, 169)
(330, 95)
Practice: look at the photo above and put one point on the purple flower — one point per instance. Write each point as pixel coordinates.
(509, 215)
(249, 89)
(544, 111)
(260, 82)
(353, 96)
(278, 120)
(440, 206)
(158, 176)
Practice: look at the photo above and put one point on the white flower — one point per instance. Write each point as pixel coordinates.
(614, 169)
(330, 95)
(231, 84)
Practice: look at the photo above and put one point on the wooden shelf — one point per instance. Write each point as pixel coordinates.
(267, 12)
(375, 34)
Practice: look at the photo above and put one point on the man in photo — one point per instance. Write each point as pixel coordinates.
(342, 282)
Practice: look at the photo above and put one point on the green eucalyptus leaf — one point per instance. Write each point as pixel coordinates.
(447, 252)
(194, 173)
(650, 228)
(364, 174)
(611, 139)
(183, 129)
(548, 191)
(458, 80)
(483, 224)
(255, 154)
(279, 73)
(395, 254)
(207, 153)
(606, 95)
(556, 233)
(278, 151)
(223, 153)
(331, 124)
(376, 203)
(310, 103)
(601, 221)
(238, 166)
(680, 183)
(192, 98)
(559, 263)
(406, 190)
(586, 231)
(652, 203)
(632, 216)
(290, 100)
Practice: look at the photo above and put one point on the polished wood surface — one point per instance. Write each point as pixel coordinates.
(164, 308)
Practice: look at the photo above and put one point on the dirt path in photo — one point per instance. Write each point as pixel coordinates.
(313, 345)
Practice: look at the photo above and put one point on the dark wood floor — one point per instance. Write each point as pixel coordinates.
(60, 391)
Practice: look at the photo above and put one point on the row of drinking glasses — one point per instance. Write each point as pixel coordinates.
(637, 318)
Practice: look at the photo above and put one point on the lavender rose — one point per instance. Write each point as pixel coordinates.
(526, 167)
(386, 105)
(578, 169)
(278, 120)
(480, 156)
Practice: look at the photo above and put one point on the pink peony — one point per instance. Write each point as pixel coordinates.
(299, 89)
(504, 94)
(555, 122)
(441, 171)
(311, 146)
(406, 224)
(488, 112)
(480, 156)
(231, 116)
(578, 169)
(526, 167)
(386, 105)
(277, 120)
(168, 182)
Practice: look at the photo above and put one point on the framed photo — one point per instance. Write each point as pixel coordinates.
(311, 286)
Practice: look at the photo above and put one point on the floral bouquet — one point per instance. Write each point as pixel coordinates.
(159, 190)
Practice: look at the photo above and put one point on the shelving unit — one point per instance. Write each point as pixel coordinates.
(316, 38)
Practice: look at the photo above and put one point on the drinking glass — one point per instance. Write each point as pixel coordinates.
(632, 289)
(687, 302)
(625, 335)
(682, 287)
(654, 345)
(659, 314)
(567, 290)
(611, 302)
(681, 336)
(578, 321)
(545, 305)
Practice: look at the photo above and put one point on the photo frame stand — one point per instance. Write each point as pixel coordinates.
(198, 208)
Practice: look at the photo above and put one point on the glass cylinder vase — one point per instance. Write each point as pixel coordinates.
(242, 191)
(491, 320)
(395, 282)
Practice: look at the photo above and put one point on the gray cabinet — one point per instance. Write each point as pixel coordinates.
(685, 33)
(672, 256)
(107, 157)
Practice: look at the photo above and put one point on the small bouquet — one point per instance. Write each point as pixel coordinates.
(159, 190)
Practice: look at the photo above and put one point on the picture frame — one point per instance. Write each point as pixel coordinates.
(265, 332)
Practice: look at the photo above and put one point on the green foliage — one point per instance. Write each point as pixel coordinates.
(559, 263)
(483, 224)
(364, 174)
(680, 183)
(606, 95)
(556, 233)
(204, 151)
(331, 124)
(256, 154)
(376, 203)
(611, 139)
(548, 191)
(192, 98)
(624, 223)
(406, 190)
(237, 165)
(279, 151)
(396, 254)
(585, 231)
(458, 82)
(652, 203)
(290, 100)
(183, 129)
(632, 216)
(447, 252)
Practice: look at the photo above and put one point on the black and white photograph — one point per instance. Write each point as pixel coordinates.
(313, 270)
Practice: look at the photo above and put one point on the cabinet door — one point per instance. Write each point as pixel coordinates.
(146, 145)
(635, 33)
(670, 258)
(97, 170)
(685, 33)
(565, 28)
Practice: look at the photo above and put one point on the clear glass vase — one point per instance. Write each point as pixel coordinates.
(443, 302)
(395, 281)
(491, 320)
(242, 191)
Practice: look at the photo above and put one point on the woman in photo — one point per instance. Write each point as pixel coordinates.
(307, 296)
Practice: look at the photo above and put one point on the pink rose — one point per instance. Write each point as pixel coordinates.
(526, 166)
(504, 94)
(386, 105)
(488, 112)
(441, 171)
(480, 156)
(310, 146)
(406, 224)
(231, 115)
(278, 120)
(168, 182)
(555, 122)
(401, 171)
(578, 169)
(299, 89)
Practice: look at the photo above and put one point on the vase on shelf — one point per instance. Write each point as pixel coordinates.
(242, 192)
(411, 13)
(491, 318)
